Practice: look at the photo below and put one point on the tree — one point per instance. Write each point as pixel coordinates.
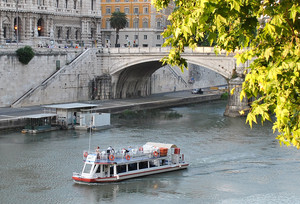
(267, 32)
(25, 54)
(118, 21)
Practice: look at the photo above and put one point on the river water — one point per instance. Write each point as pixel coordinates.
(229, 162)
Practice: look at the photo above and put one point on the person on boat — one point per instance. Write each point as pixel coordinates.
(109, 151)
(98, 152)
(125, 151)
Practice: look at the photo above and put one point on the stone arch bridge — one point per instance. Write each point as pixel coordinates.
(131, 68)
(106, 73)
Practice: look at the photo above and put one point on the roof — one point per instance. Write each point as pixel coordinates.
(169, 146)
(42, 115)
(71, 106)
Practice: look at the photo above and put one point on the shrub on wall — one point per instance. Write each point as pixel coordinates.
(25, 54)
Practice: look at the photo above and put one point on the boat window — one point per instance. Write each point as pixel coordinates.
(121, 168)
(87, 168)
(111, 171)
(98, 169)
(152, 164)
(143, 165)
(163, 162)
(132, 167)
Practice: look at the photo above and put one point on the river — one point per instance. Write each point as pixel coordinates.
(229, 162)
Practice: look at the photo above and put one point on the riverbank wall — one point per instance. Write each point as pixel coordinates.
(118, 106)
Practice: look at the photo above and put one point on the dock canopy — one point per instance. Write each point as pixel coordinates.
(42, 115)
(154, 144)
(71, 106)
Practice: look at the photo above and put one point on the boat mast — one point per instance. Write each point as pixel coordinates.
(90, 137)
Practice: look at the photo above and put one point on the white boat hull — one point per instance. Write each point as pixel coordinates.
(129, 175)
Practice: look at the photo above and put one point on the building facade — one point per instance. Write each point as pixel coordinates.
(144, 23)
(50, 22)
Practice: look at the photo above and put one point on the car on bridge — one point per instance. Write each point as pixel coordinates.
(197, 91)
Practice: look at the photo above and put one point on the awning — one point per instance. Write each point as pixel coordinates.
(154, 144)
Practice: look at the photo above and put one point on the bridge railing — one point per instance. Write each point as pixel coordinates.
(140, 50)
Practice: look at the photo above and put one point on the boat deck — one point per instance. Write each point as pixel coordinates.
(118, 159)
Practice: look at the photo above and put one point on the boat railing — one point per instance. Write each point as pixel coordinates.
(122, 155)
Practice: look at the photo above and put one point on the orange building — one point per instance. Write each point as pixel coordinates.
(144, 24)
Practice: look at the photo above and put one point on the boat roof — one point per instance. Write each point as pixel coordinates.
(71, 105)
(169, 146)
(42, 115)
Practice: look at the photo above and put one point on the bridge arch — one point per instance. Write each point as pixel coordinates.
(134, 80)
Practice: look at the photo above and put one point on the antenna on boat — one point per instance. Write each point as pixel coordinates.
(90, 137)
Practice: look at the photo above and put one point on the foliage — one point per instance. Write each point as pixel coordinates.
(25, 54)
(224, 96)
(118, 21)
(266, 32)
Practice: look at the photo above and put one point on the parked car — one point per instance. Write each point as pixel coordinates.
(197, 91)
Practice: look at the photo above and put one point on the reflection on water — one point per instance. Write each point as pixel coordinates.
(112, 192)
(229, 162)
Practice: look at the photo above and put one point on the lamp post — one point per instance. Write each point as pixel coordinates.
(17, 22)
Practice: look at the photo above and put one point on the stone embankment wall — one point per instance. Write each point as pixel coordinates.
(69, 84)
(16, 78)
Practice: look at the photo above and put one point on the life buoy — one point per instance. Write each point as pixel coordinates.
(155, 153)
(85, 154)
(127, 157)
(140, 149)
(111, 157)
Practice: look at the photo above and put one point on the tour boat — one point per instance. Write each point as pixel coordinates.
(113, 166)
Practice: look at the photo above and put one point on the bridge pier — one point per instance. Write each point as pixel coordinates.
(234, 103)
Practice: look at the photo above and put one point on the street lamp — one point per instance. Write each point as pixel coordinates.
(17, 22)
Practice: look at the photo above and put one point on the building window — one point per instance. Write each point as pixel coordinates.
(126, 10)
(158, 37)
(127, 24)
(66, 4)
(92, 4)
(117, 0)
(68, 34)
(57, 3)
(108, 10)
(145, 10)
(4, 32)
(59, 33)
(136, 37)
(145, 37)
(75, 4)
(117, 9)
(108, 0)
(136, 10)
(158, 24)
(126, 37)
(145, 23)
(136, 23)
(107, 23)
(76, 34)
